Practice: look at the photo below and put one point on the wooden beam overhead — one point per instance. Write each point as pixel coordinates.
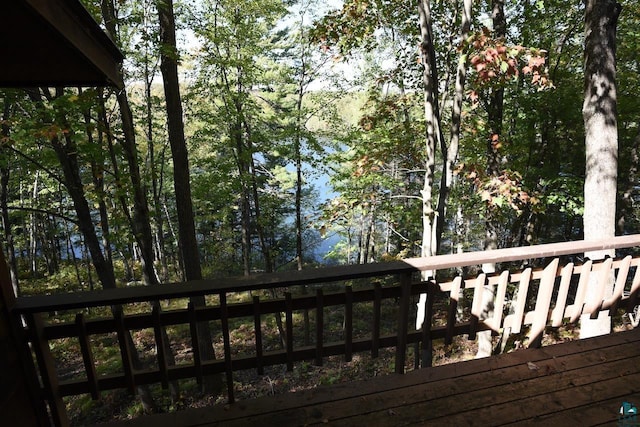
(54, 43)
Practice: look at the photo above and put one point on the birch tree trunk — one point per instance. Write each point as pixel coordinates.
(433, 138)
(450, 155)
(432, 122)
(599, 112)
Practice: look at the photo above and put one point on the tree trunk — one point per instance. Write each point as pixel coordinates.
(4, 204)
(67, 154)
(243, 175)
(182, 186)
(97, 173)
(156, 181)
(432, 137)
(141, 223)
(140, 220)
(432, 120)
(33, 238)
(264, 246)
(297, 153)
(599, 112)
(450, 155)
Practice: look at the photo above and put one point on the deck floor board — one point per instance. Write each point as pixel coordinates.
(576, 383)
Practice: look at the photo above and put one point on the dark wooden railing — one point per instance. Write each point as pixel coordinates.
(549, 293)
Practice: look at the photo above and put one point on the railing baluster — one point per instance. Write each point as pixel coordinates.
(403, 322)
(319, 326)
(521, 302)
(427, 344)
(257, 325)
(377, 308)
(224, 319)
(125, 349)
(563, 291)
(581, 293)
(498, 309)
(160, 345)
(348, 324)
(545, 292)
(48, 371)
(634, 292)
(452, 314)
(87, 357)
(289, 331)
(621, 279)
(594, 302)
(195, 342)
(476, 305)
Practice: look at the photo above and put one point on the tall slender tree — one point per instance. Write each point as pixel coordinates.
(5, 172)
(601, 140)
(140, 220)
(186, 226)
(450, 152)
(433, 138)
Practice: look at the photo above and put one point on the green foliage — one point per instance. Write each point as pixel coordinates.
(271, 86)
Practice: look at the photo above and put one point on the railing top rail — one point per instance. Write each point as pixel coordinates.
(548, 250)
(108, 297)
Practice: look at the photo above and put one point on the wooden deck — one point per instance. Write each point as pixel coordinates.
(576, 383)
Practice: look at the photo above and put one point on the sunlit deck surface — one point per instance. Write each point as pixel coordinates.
(576, 383)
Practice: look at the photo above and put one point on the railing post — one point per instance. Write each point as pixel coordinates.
(319, 326)
(452, 315)
(543, 301)
(48, 371)
(403, 322)
(289, 330)
(476, 305)
(348, 324)
(224, 320)
(257, 324)
(427, 345)
(377, 306)
(126, 350)
(634, 293)
(195, 342)
(87, 356)
(19, 389)
(161, 344)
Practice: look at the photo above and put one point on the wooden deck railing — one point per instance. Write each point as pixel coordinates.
(532, 297)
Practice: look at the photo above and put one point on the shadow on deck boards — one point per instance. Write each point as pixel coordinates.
(577, 383)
